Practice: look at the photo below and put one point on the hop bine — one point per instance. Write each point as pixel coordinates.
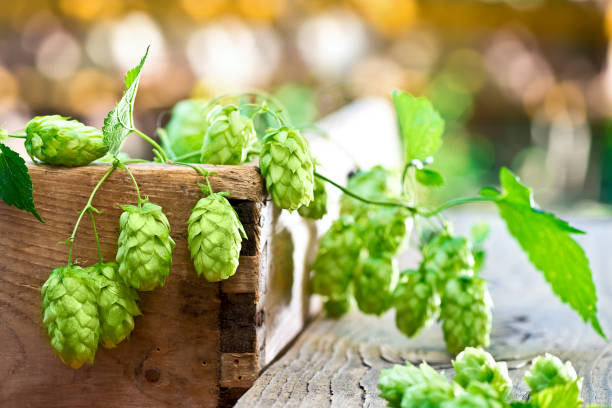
(287, 167)
(228, 137)
(61, 141)
(214, 237)
(145, 247)
(70, 314)
(116, 304)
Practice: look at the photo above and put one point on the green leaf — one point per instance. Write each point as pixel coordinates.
(566, 396)
(3, 135)
(15, 182)
(421, 126)
(547, 241)
(429, 178)
(120, 121)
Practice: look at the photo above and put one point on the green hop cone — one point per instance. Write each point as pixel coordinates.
(393, 382)
(186, 129)
(318, 206)
(416, 303)
(228, 137)
(287, 167)
(374, 184)
(476, 365)
(116, 304)
(466, 314)
(445, 257)
(70, 315)
(214, 237)
(431, 392)
(335, 262)
(385, 230)
(477, 395)
(145, 247)
(61, 141)
(549, 371)
(337, 307)
(374, 284)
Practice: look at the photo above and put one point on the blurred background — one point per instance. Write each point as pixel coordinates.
(521, 83)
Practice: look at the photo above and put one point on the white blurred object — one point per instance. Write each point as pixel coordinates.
(58, 56)
(332, 42)
(229, 55)
(129, 39)
(364, 131)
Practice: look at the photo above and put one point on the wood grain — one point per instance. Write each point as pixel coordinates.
(337, 363)
(191, 331)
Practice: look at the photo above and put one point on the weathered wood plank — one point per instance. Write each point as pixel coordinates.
(337, 363)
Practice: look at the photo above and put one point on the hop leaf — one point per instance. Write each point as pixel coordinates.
(15, 181)
(476, 365)
(60, 141)
(186, 129)
(116, 304)
(466, 314)
(287, 167)
(547, 241)
(374, 284)
(119, 122)
(228, 137)
(549, 371)
(336, 260)
(215, 238)
(416, 303)
(318, 206)
(70, 315)
(145, 247)
(421, 127)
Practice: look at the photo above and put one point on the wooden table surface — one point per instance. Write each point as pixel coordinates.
(337, 362)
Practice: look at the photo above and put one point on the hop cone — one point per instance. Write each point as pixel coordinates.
(318, 206)
(466, 314)
(116, 304)
(376, 183)
(431, 392)
(214, 237)
(228, 137)
(374, 284)
(476, 365)
(393, 382)
(549, 371)
(445, 257)
(337, 307)
(145, 247)
(60, 141)
(70, 314)
(336, 259)
(286, 165)
(416, 303)
(186, 128)
(477, 395)
(385, 230)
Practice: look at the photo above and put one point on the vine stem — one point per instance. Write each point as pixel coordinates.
(412, 209)
(17, 136)
(195, 153)
(93, 224)
(135, 183)
(85, 209)
(456, 202)
(153, 143)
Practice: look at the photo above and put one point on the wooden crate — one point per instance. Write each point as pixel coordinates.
(197, 343)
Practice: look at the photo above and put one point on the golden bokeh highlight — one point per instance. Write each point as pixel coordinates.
(390, 17)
